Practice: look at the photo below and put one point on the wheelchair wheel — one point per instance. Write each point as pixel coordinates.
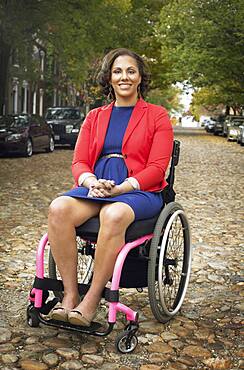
(84, 268)
(169, 262)
(32, 316)
(125, 343)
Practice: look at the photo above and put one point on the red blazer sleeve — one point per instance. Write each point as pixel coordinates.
(159, 155)
(81, 162)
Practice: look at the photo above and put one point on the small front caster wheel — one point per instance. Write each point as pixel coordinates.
(126, 342)
(32, 317)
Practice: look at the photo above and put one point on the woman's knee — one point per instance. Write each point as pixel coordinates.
(115, 218)
(59, 210)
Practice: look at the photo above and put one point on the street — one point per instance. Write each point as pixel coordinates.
(205, 335)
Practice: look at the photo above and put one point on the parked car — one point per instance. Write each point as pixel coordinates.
(203, 120)
(25, 134)
(228, 120)
(66, 123)
(233, 130)
(209, 125)
(240, 137)
(219, 125)
(218, 128)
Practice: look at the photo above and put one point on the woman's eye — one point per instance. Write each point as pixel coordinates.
(116, 71)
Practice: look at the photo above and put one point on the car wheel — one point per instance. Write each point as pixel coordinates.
(51, 145)
(29, 148)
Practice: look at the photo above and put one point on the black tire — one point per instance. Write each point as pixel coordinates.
(51, 145)
(169, 262)
(120, 342)
(85, 266)
(28, 148)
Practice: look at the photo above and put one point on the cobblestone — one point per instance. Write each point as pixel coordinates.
(207, 332)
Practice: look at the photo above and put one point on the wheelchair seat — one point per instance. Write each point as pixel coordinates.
(89, 230)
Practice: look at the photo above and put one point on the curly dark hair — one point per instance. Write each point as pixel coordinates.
(104, 75)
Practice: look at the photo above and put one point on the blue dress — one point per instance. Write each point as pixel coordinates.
(145, 204)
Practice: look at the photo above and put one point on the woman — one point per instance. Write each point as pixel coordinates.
(119, 165)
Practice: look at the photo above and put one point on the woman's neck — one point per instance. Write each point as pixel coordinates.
(121, 102)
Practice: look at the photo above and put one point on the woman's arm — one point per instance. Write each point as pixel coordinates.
(159, 155)
(80, 163)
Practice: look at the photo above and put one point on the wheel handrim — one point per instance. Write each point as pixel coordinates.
(174, 271)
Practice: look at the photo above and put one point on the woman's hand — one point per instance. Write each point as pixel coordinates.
(107, 188)
(101, 188)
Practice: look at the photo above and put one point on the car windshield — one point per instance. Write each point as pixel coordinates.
(13, 121)
(237, 123)
(57, 113)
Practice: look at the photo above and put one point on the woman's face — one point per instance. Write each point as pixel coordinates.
(125, 77)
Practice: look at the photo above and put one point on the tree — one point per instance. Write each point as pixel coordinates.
(73, 31)
(202, 41)
(169, 98)
(76, 34)
(23, 24)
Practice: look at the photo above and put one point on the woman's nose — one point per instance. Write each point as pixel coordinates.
(124, 75)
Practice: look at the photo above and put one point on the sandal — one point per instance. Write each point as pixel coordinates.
(77, 318)
(59, 314)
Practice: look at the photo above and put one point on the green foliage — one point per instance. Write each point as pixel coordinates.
(77, 34)
(168, 98)
(202, 41)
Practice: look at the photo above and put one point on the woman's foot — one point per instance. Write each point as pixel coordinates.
(59, 313)
(85, 312)
(61, 310)
(76, 317)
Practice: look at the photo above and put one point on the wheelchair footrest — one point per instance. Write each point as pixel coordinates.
(95, 326)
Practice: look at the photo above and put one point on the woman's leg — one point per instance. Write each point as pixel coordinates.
(114, 220)
(66, 213)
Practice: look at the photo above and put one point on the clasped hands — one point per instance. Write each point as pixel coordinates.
(103, 188)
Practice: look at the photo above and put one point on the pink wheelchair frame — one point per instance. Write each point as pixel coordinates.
(114, 307)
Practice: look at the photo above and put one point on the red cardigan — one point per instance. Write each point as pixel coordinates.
(147, 144)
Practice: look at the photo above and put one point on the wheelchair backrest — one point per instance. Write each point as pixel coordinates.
(168, 192)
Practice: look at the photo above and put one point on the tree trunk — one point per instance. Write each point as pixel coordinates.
(4, 62)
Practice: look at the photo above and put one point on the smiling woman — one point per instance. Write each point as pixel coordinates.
(120, 159)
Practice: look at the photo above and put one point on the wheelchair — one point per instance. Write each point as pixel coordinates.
(156, 256)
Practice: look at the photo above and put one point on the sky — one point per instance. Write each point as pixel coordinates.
(186, 95)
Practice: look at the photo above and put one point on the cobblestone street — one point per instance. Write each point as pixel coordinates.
(207, 332)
